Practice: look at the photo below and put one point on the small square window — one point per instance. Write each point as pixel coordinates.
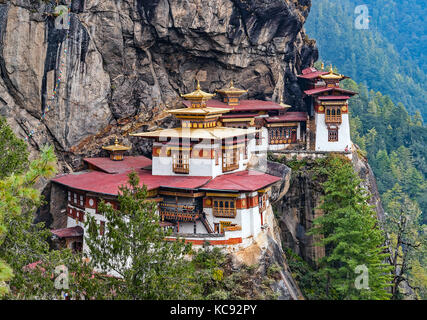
(333, 135)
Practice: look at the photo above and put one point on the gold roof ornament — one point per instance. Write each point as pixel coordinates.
(323, 66)
(116, 147)
(198, 97)
(332, 75)
(231, 95)
(284, 105)
(231, 90)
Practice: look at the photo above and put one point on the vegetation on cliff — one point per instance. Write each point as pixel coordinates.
(394, 142)
(393, 250)
(349, 231)
(21, 242)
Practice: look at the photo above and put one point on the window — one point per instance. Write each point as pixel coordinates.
(230, 160)
(262, 201)
(283, 135)
(181, 161)
(333, 114)
(69, 196)
(332, 135)
(80, 216)
(224, 208)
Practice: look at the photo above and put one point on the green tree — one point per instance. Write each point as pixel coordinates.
(14, 154)
(133, 249)
(18, 201)
(351, 236)
(406, 240)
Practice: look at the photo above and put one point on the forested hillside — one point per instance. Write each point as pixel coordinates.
(388, 57)
(393, 141)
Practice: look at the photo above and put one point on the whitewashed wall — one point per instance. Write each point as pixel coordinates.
(322, 143)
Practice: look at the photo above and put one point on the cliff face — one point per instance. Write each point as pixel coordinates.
(121, 64)
(296, 211)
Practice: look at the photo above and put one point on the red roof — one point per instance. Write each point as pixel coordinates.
(239, 115)
(128, 163)
(245, 105)
(248, 180)
(312, 75)
(327, 89)
(104, 183)
(334, 97)
(309, 70)
(289, 116)
(68, 232)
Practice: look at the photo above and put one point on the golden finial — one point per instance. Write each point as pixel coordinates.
(198, 84)
(231, 84)
(323, 66)
(284, 105)
(116, 142)
(331, 70)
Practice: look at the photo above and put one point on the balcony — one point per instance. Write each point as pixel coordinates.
(224, 212)
(181, 168)
(230, 167)
(333, 119)
(178, 212)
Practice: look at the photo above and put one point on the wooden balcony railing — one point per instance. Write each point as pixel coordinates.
(333, 119)
(178, 212)
(179, 215)
(181, 168)
(224, 212)
(230, 167)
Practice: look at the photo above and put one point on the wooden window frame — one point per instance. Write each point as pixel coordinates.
(230, 159)
(332, 134)
(333, 114)
(181, 162)
(224, 207)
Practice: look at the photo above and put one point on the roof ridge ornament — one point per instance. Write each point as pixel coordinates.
(116, 150)
(198, 97)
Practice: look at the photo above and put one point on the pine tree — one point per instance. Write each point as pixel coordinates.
(13, 151)
(20, 241)
(351, 236)
(133, 249)
(407, 240)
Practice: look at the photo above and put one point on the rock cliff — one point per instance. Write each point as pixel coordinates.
(296, 211)
(119, 64)
(116, 66)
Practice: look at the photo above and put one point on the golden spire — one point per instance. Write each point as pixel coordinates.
(332, 75)
(198, 97)
(284, 105)
(117, 150)
(231, 94)
(116, 147)
(323, 66)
